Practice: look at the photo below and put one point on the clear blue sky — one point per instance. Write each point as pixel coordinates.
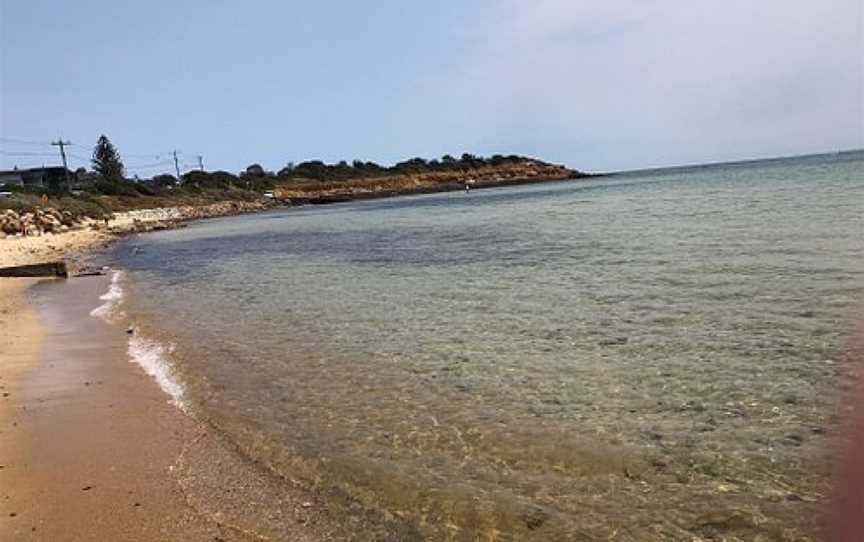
(596, 85)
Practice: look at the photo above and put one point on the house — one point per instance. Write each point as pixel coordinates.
(12, 178)
(40, 177)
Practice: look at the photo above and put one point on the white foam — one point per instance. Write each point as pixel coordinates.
(111, 298)
(151, 356)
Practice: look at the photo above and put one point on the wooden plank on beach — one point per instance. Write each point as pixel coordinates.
(50, 269)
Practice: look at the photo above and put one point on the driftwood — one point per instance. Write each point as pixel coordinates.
(51, 269)
(89, 273)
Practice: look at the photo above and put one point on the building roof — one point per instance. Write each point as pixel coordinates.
(30, 170)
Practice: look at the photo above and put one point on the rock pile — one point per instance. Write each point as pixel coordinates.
(173, 217)
(47, 220)
(50, 220)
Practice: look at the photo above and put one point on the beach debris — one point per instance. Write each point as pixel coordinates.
(86, 488)
(49, 269)
(89, 272)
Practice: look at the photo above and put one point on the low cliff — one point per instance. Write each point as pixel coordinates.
(430, 181)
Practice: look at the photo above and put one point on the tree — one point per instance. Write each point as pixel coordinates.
(106, 160)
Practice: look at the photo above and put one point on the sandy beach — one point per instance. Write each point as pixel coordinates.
(91, 448)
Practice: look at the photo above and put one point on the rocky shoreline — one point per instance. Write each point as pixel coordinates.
(171, 217)
(54, 220)
(47, 220)
(50, 235)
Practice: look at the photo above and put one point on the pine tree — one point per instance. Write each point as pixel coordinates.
(106, 160)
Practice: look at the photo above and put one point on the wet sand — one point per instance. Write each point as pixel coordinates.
(91, 449)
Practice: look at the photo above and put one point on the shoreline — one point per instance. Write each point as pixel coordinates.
(92, 448)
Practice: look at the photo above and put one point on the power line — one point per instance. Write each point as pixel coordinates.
(164, 158)
(14, 153)
(126, 165)
(150, 155)
(156, 155)
(150, 166)
(24, 141)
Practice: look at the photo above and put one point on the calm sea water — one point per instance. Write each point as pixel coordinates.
(648, 356)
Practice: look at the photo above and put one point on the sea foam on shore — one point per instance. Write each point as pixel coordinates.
(150, 355)
(111, 298)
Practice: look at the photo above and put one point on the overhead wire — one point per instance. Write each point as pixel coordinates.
(162, 159)
(24, 141)
(14, 153)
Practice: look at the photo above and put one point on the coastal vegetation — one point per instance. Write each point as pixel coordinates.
(107, 189)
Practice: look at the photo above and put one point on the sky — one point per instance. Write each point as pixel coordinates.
(598, 86)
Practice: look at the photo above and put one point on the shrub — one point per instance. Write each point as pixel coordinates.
(115, 188)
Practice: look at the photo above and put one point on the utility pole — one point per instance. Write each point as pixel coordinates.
(200, 162)
(60, 143)
(177, 166)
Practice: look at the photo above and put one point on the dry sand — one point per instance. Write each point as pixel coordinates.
(91, 449)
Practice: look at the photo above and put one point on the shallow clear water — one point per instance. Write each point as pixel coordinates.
(647, 356)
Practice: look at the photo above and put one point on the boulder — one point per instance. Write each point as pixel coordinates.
(12, 226)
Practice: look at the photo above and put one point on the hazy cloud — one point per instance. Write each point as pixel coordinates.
(673, 81)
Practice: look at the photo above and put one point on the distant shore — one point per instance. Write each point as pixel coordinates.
(342, 196)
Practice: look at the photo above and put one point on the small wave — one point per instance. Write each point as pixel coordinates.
(111, 298)
(151, 356)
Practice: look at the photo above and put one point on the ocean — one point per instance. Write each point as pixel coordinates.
(653, 355)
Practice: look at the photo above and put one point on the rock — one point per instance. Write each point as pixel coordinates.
(12, 226)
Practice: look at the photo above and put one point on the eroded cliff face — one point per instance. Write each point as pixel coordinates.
(427, 181)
